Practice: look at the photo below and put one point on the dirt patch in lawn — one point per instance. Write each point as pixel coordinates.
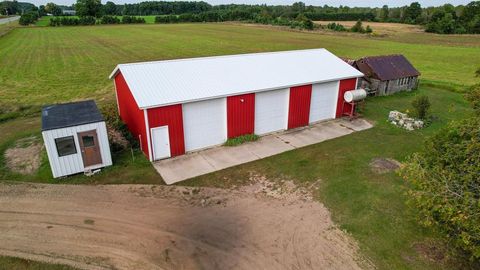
(258, 226)
(432, 251)
(384, 165)
(24, 156)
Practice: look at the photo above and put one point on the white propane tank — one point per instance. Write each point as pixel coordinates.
(355, 95)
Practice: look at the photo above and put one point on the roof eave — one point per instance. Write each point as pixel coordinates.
(114, 72)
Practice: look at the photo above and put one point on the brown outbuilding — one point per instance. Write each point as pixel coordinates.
(387, 74)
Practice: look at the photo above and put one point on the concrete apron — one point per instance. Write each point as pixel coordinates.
(194, 164)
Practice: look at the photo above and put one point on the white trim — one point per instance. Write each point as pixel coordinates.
(288, 108)
(153, 142)
(116, 96)
(147, 129)
(336, 100)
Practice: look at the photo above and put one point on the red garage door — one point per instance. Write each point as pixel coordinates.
(345, 85)
(299, 106)
(172, 117)
(240, 115)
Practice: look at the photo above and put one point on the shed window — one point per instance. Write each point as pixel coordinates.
(65, 146)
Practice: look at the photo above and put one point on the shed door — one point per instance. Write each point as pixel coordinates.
(160, 142)
(205, 123)
(90, 148)
(324, 101)
(271, 111)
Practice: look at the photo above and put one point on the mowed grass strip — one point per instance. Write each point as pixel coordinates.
(43, 65)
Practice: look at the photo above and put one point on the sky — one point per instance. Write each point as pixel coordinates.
(358, 3)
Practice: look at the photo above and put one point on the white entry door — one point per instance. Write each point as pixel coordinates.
(160, 143)
(204, 123)
(271, 111)
(323, 104)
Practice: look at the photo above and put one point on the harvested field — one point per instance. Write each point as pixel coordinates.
(158, 227)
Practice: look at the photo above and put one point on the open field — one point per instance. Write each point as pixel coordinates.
(63, 64)
(45, 65)
(407, 33)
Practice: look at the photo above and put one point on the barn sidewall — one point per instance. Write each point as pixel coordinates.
(171, 116)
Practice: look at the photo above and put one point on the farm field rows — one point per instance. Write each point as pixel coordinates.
(42, 65)
(79, 60)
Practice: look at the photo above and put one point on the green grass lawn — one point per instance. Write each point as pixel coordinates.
(42, 65)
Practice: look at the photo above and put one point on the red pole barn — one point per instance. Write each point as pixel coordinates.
(178, 106)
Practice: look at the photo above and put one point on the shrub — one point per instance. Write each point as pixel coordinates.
(28, 18)
(132, 19)
(474, 97)
(107, 19)
(167, 19)
(87, 20)
(241, 139)
(421, 106)
(368, 30)
(444, 184)
(358, 27)
(336, 27)
(477, 73)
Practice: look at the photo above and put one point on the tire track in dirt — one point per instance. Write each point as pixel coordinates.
(159, 227)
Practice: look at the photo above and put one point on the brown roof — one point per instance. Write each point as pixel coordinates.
(387, 67)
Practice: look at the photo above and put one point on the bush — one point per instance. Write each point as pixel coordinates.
(474, 97)
(358, 27)
(132, 19)
(241, 139)
(69, 21)
(421, 106)
(368, 30)
(28, 18)
(336, 27)
(444, 184)
(107, 19)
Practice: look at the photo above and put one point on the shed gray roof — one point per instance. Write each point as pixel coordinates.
(70, 114)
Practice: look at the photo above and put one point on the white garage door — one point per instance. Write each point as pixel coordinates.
(204, 123)
(271, 111)
(324, 101)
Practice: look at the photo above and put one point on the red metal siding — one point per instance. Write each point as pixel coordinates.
(240, 115)
(345, 85)
(299, 106)
(130, 114)
(172, 117)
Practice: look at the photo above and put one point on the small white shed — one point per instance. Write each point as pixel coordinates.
(75, 137)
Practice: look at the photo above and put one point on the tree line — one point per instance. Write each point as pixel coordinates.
(446, 19)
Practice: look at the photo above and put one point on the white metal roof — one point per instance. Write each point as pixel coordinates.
(170, 82)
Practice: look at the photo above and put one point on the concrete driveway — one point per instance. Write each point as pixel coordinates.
(9, 19)
(183, 167)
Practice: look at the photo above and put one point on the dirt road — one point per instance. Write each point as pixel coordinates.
(157, 227)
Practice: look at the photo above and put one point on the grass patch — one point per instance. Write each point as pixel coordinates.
(89, 221)
(368, 205)
(241, 139)
(13, 263)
